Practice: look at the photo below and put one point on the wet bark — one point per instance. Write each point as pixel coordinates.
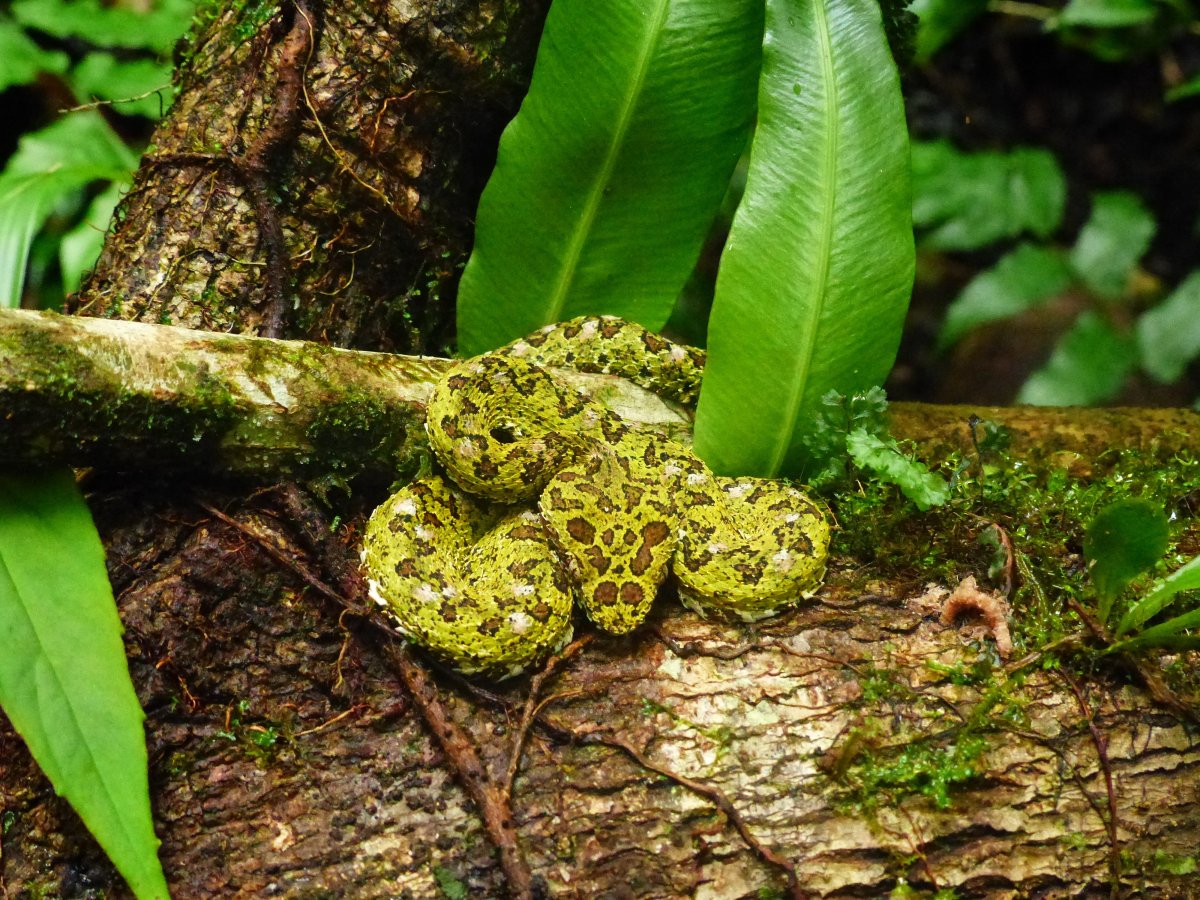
(286, 756)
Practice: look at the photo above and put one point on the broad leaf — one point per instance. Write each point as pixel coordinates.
(64, 681)
(941, 20)
(1111, 243)
(963, 201)
(1161, 595)
(1107, 13)
(154, 26)
(816, 275)
(1023, 279)
(49, 166)
(1089, 365)
(21, 59)
(608, 178)
(1123, 540)
(1168, 335)
(890, 464)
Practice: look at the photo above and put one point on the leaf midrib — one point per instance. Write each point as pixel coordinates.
(803, 358)
(558, 296)
(130, 838)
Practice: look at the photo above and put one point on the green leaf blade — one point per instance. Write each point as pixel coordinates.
(1166, 634)
(64, 680)
(815, 278)
(158, 27)
(941, 20)
(1123, 540)
(1112, 241)
(608, 178)
(1161, 595)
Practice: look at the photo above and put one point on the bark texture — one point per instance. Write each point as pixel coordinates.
(287, 759)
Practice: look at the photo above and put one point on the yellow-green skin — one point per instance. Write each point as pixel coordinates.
(490, 590)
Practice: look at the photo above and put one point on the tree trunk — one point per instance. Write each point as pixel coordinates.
(316, 179)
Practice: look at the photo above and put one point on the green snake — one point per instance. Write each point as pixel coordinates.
(550, 500)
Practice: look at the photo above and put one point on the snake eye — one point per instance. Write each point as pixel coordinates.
(505, 434)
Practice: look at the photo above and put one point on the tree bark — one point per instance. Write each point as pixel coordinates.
(316, 179)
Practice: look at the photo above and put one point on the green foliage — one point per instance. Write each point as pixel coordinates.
(854, 430)
(1111, 243)
(884, 458)
(1107, 13)
(54, 172)
(135, 87)
(1022, 279)
(450, 885)
(941, 20)
(964, 201)
(49, 170)
(816, 274)
(1095, 356)
(1168, 335)
(64, 682)
(924, 767)
(21, 59)
(1089, 365)
(108, 25)
(1111, 30)
(609, 176)
(1124, 540)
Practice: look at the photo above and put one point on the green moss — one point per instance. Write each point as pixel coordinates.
(1043, 513)
(345, 434)
(260, 739)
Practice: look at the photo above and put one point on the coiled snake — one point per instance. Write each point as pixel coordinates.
(552, 499)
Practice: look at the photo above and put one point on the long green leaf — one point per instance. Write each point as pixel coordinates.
(1161, 595)
(64, 681)
(611, 173)
(1168, 633)
(816, 275)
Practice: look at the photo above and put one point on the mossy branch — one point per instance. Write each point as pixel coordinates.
(86, 392)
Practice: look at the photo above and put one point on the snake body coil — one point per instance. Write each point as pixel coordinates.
(489, 587)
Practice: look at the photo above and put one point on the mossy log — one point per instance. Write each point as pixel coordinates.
(316, 179)
(90, 392)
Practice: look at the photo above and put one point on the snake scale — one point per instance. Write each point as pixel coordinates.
(550, 500)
